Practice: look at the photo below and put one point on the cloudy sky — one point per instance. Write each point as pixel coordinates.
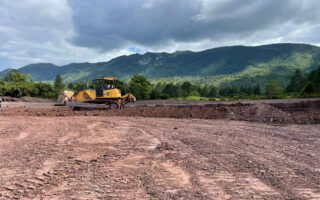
(65, 31)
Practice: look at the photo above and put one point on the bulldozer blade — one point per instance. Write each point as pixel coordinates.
(81, 105)
(65, 96)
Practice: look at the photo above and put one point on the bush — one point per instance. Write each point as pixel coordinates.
(309, 89)
(196, 98)
(194, 93)
(273, 90)
(165, 96)
(214, 99)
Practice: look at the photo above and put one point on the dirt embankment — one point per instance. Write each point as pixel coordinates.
(27, 99)
(282, 113)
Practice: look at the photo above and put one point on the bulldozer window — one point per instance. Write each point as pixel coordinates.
(104, 84)
(99, 92)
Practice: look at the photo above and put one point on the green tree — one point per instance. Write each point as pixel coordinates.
(309, 89)
(213, 92)
(172, 90)
(257, 90)
(14, 76)
(140, 87)
(204, 92)
(79, 85)
(314, 77)
(232, 91)
(12, 90)
(70, 86)
(155, 94)
(223, 91)
(295, 83)
(243, 90)
(186, 88)
(273, 89)
(194, 93)
(58, 83)
(249, 91)
(45, 90)
(195, 90)
(157, 91)
(2, 87)
(160, 86)
(16, 84)
(123, 86)
(229, 91)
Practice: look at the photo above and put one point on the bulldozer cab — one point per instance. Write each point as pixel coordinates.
(103, 84)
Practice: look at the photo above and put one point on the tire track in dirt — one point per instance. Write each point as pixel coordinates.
(265, 159)
(217, 180)
(159, 176)
(255, 178)
(145, 158)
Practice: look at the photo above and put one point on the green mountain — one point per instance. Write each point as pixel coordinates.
(4, 72)
(225, 65)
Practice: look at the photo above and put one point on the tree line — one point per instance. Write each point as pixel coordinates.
(15, 84)
(304, 85)
(300, 85)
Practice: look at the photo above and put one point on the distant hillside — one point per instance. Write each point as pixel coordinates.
(225, 65)
(4, 72)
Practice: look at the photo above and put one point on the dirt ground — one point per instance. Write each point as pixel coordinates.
(201, 103)
(293, 111)
(237, 151)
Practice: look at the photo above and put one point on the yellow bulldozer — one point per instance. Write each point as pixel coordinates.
(106, 95)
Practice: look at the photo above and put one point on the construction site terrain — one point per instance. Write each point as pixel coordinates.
(161, 150)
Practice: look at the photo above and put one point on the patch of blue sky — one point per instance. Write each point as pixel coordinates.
(137, 50)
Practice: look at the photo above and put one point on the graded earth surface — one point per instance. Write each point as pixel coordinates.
(268, 150)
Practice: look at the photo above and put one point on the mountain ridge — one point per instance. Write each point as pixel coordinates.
(221, 65)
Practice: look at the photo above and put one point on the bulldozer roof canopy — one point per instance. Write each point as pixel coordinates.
(106, 78)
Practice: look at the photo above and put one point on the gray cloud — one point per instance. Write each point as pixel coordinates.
(115, 24)
(31, 31)
(64, 31)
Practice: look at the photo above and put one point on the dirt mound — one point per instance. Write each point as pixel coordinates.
(282, 113)
(27, 99)
(262, 113)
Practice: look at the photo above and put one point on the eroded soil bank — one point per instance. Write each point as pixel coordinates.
(307, 112)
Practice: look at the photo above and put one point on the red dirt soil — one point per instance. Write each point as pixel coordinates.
(58, 153)
(282, 113)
